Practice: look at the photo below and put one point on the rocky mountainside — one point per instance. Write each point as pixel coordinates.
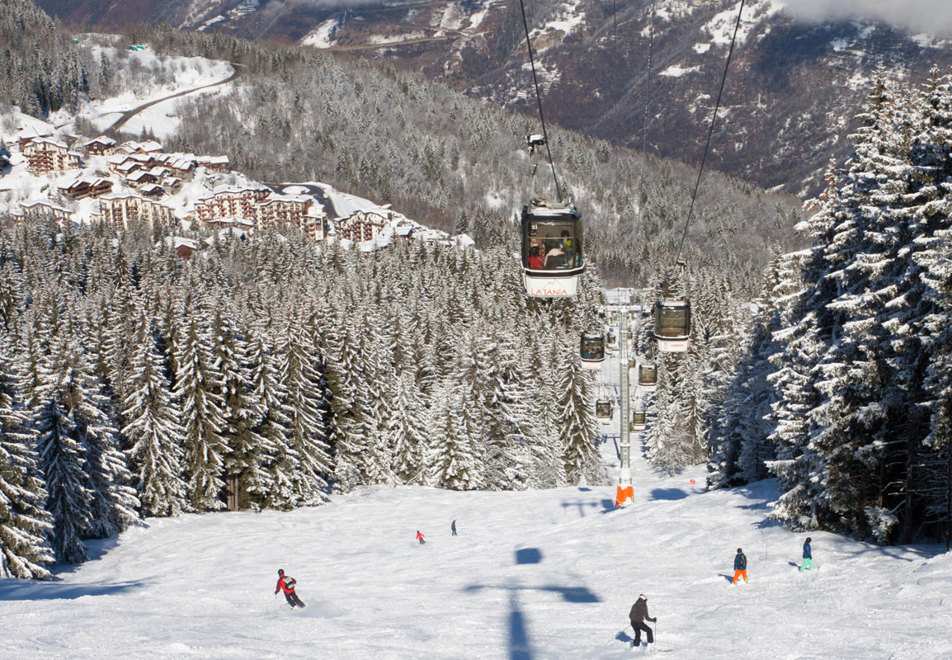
(789, 102)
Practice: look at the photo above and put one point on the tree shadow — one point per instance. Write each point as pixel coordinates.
(58, 590)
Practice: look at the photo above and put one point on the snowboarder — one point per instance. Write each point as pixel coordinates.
(637, 616)
(286, 584)
(419, 537)
(740, 566)
(453, 527)
(807, 556)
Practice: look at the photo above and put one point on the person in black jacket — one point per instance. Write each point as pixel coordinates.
(637, 616)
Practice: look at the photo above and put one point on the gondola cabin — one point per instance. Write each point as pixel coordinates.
(604, 408)
(647, 376)
(552, 258)
(592, 350)
(672, 324)
(638, 419)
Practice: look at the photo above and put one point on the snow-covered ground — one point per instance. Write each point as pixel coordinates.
(538, 574)
(171, 75)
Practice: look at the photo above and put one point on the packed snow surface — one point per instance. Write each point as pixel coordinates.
(531, 575)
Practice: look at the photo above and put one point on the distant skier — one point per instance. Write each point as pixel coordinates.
(637, 616)
(740, 566)
(807, 556)
(453, 527)
(286, 584)
(419, 537)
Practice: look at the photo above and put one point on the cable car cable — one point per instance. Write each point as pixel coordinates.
(644, 126)
(535, 82)
(710, 131)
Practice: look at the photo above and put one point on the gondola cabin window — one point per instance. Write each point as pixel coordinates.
(593, 347)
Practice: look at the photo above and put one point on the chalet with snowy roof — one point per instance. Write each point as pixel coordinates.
(231, 203)
(403, 231)
(126, 167)
(183, 247)
(147, 147)
(180, 165)
(171, 185)
(362, 226)
(214, 163)
(99, 146)
(152, 190)
(140, 178)
(87, 187)
(124, 210)
(46, 155)
(43, 210)
(30, 133)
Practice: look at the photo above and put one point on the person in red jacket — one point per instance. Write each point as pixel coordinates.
(286, 584)
(419, 537)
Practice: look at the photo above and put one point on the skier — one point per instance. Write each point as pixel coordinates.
(740, 566)
(807, 556)
(637, 616)
(419, 537)
(453, 527)
(286, 584)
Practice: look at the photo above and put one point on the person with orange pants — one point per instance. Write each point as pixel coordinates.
(740, 566)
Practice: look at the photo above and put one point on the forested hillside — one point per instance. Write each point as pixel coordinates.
(155, 385)
(846, 393)
(40, 69)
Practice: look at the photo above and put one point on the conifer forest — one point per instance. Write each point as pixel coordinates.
(136, 384)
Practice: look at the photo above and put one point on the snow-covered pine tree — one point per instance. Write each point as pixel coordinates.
(198, 393)
(155, 435)
(241, 412)
(25, 526)
(454, 461)
(114, 505)
(351, 409)
(407, 432)
(299, 372)
(578, 430)
(69, 495)
(276, 489)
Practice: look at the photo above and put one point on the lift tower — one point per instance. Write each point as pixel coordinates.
(625, 491)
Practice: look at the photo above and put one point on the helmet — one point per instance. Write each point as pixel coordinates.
(280, 571)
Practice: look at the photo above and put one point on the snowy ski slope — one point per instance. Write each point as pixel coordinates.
(532, 575)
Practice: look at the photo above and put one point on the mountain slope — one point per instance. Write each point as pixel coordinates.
(792, 91)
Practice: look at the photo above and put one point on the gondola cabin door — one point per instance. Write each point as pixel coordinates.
(552, 257)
